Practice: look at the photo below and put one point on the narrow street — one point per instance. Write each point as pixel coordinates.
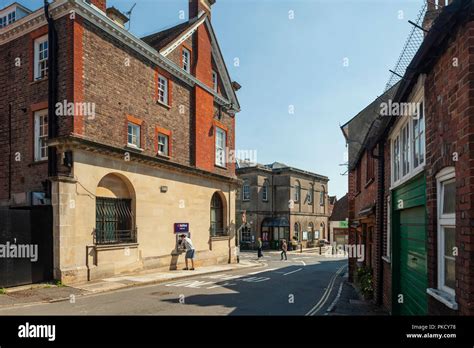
(306, 284)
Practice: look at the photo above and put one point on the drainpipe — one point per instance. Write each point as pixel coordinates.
(10, 153)
(379, 212)
(52, 91)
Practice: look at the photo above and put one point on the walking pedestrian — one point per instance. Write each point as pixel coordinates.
(188, 245)
(284, 249)
(259, 248)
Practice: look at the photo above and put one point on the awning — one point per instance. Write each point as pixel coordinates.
(275, 222)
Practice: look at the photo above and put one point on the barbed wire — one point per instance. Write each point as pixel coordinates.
(413, 43)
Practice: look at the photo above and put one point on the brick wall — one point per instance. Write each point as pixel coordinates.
(26, 96)
(449, 94)
(121, 83)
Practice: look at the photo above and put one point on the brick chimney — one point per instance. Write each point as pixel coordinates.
(196, 6)
(434, 7)
(100, 4)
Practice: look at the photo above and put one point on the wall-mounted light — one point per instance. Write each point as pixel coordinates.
(164, 189)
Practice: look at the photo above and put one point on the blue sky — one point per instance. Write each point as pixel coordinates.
(298, 62)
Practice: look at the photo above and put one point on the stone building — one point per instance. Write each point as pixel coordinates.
(122, 141)
(278, 202)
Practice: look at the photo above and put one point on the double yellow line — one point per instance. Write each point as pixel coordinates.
(326, 294)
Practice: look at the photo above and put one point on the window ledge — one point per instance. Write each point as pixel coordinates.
(134, 148)
(36, 81)
(115, 246)
(220, 167)
(218, 238)
(35, 163)
(164, 104)
(443, 297)
(163, 156)
(387, 259)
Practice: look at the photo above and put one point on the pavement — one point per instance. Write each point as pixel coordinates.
(306, 284)
(51, 292)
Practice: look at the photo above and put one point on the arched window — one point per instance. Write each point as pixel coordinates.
(297, 191)
(114, 205)
(296, 234)
(310, 231)
(322, 230)
(217, 216)
(310, 194)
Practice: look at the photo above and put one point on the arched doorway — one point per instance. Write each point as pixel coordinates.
(115, 206)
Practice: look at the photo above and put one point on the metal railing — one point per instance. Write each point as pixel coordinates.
(219, 232)
(110, 237)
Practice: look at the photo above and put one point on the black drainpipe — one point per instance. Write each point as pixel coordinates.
(52, 92)
(10, 153)
(379, 211)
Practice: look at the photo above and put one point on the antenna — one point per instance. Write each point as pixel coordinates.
(129, 15)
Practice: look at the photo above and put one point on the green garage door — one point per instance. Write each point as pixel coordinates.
(410, 265)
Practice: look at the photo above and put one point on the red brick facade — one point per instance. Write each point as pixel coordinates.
(449, 99)
(97, 68)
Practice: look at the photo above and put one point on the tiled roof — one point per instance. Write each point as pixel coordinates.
(163, 38)
(340, 211)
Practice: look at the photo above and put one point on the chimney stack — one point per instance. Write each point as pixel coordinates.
(196, 6)
(432, 11)
(100, 4)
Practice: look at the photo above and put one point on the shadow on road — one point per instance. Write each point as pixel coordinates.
(291, 290)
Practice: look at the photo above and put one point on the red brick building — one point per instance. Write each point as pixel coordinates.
(426, 204)
(119, 138)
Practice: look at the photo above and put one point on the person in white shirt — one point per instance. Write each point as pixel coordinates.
(188, 245)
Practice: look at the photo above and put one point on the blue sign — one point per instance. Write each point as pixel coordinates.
(181, 227)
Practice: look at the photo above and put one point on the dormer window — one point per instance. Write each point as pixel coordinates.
(7, 19)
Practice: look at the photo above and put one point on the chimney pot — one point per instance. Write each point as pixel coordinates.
(196, 6)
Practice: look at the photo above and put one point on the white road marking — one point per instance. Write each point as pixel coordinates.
(331, 307)
(326, 293)
(265, 270)
(296, 270)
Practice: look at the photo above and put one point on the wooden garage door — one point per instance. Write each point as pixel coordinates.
(413, 271)
(410, 276)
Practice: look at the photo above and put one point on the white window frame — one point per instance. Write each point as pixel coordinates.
(165, 144)
(396, 135)
(246, 191)
(11, 17)
(40, 129)
(445, 176)
(221, 135)
(321, 196)
(137, 127)
(186, 60)
(163, 85)
(37, 61)
(215, 81)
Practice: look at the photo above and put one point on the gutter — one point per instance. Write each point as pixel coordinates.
(379, 214)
